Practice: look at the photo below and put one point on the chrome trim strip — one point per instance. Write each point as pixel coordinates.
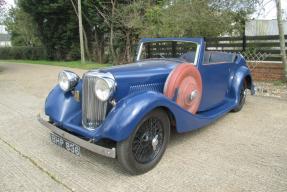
(196, 58)
(85, 144)
(139, 52)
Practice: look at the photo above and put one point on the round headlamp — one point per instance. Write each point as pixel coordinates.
(67, 80)
(104, 88)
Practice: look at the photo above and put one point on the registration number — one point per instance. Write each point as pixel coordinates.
(68, 145)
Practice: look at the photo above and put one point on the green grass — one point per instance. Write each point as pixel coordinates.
(71, 64)
(279, 83)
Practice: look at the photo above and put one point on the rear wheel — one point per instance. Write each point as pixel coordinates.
(242, 99)
(146, 145)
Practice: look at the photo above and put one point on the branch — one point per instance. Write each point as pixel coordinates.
(103, 15)
(76, 12)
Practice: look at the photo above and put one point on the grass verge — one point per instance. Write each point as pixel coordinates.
(71, 64)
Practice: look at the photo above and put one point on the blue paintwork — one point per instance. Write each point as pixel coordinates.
(139, 91)
(140, 73)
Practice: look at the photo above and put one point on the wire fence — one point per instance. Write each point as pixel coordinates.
(269, 44)
(254, 57)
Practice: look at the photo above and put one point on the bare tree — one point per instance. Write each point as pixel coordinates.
(281, 34)
(2, 3)
(112, 49)
(84, 32)
(81, 32)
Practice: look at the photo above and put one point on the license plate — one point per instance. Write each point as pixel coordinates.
(68, 145)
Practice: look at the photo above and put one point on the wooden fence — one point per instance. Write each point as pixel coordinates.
(252, 44)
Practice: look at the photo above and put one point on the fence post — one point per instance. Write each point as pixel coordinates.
(243, 36)
(173, 49)
(244, 42)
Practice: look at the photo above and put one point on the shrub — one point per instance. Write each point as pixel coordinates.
(25, 53)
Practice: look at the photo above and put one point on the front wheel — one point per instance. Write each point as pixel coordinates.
(146, 145)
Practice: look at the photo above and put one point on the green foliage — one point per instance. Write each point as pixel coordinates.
(56, 25)
(279, 83)
(32, 53)
(112, 28)
(22, 28)
(153, 19)
(70, 64)
(185, 18)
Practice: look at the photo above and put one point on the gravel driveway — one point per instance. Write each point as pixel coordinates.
(245, 151)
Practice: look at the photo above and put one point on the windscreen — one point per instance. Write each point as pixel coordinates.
(169, 49)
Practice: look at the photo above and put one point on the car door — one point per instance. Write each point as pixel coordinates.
(215, 73)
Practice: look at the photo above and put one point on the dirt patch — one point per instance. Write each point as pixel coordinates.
(276, 89)
(1, 69)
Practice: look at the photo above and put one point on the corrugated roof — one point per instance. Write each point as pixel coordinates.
(263, 27)
(5, 37)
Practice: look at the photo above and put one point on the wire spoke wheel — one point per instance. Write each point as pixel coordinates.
(243, 93)
(148, 140)
(242, 98)
(143, 149)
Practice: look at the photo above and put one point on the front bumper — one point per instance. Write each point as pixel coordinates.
(81, 142)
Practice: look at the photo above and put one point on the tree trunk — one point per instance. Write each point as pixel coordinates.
(112, 49)
(84, 32)
(81, 32)
(99, 47)
(128, 47)
(86, 44)
(281, 34)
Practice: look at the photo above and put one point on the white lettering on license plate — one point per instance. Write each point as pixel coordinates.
(68, 145)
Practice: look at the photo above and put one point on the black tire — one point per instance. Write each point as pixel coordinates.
(242, 98)
(146, 145)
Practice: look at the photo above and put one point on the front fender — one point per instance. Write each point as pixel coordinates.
(124, 118)
(61, 106)
(128, 112)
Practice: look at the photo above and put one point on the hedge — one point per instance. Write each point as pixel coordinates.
(25, 53)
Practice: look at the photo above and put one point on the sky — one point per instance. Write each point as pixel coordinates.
(268, 11)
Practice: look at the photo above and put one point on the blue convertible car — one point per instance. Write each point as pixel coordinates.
(127, 111)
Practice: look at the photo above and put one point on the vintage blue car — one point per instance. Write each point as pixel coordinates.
(127, 111)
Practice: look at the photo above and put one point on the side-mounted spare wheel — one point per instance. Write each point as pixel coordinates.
(184, 86)
(146, 145)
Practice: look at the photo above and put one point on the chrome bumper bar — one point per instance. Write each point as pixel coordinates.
(83, 143)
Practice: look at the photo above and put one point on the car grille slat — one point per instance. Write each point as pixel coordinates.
(158, 87)
(93, 110)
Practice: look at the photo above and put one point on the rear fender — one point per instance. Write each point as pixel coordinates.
(242, 74)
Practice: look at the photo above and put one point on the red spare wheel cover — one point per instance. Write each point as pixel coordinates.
(184, 86)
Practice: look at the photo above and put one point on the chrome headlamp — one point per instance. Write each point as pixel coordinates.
(67, 80)
(104, 87)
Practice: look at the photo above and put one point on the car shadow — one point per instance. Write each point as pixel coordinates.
(112, 165)
(106, 163)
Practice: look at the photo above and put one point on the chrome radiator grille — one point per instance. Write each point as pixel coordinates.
(93, 110)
